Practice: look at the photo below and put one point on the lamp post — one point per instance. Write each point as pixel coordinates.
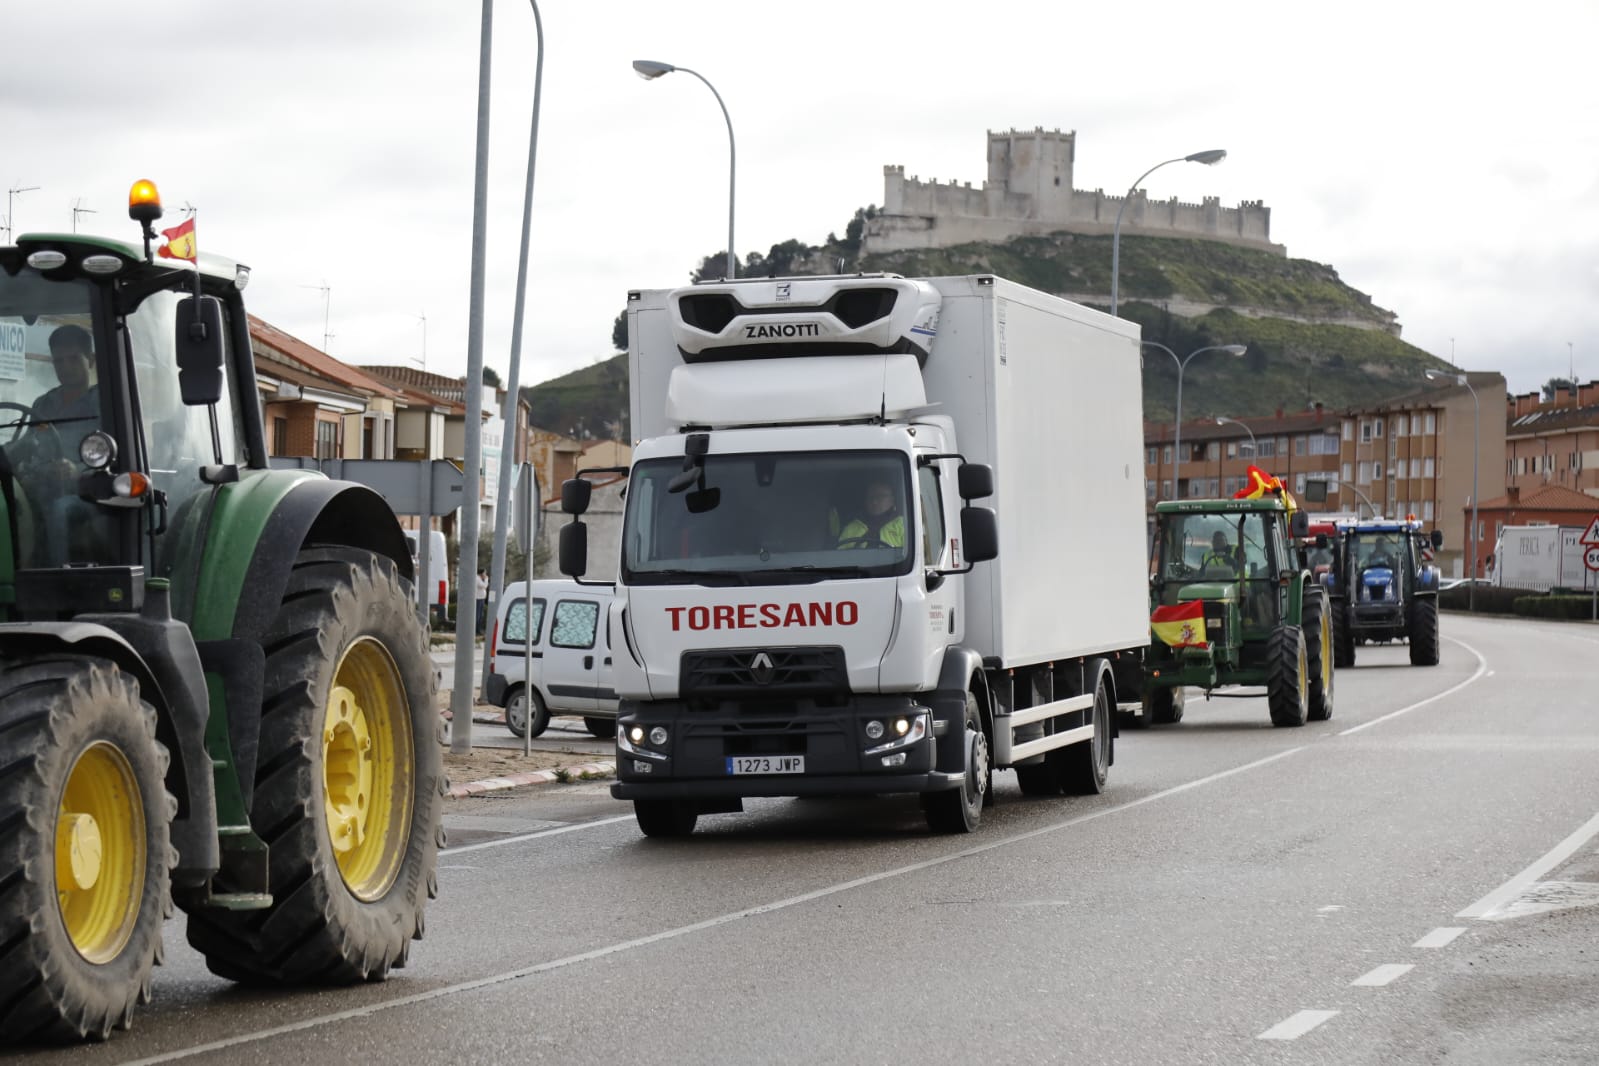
(1182, 364)
(1209, 158)
(1341, 483)
(1222, 420)
(649, 70)
(1476, 448)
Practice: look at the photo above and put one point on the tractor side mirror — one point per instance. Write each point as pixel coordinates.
(975, 480)
(1437, 538)
(199, 348)
(575, 495)
(1321, 540)
(573, 551)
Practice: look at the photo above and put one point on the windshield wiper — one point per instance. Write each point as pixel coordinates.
(817, 572)
(696, 577)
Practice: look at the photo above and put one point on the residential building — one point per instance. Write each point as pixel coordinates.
(1553, 441)
(1553, 505)
(314, 406)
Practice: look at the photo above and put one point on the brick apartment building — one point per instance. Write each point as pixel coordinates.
(1553, 441)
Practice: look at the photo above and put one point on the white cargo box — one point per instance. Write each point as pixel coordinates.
(1049, 394)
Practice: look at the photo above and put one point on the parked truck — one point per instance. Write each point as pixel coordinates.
(882, 535)
(1540, 558)
(214, 691)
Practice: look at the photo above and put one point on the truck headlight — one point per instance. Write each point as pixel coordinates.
(658, 736)
(909, 730)
(636, 734)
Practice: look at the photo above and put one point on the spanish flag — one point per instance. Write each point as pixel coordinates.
(1258, 483)
(180, 242)
(1182, 626)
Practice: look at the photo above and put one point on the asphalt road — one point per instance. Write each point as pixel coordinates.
(1413, 881)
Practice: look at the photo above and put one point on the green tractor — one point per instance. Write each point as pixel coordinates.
(1231, 605)
(214, 688)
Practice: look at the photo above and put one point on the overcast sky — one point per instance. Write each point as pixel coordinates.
(1443, 157)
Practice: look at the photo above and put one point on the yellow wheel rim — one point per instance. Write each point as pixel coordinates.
(1326, 655)
(100, 852)
(367, 769)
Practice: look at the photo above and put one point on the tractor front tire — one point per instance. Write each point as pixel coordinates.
(85, 849)
(1163, 706)
(1424, 632)
(1318, 626)
(1288, 686)
(1343, 635)
(349, 787)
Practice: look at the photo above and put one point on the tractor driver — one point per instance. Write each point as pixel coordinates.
(60, 418)
(1220, 556)
(1382, 554)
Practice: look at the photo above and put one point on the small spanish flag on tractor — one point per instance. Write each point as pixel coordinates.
(1182, 626)
(180, 242)
(1258, 483)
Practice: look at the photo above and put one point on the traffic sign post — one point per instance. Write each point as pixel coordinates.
(1590, 558)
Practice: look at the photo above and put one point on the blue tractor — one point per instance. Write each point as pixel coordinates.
(1384, 587)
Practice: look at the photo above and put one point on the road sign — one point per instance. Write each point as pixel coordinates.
(1590, 558)
(1591, 537)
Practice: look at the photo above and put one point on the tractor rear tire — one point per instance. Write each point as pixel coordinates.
(1318, 626)
(1163, 706)
(1288, 685)
(85, 849)
(1424, 632)
(349, 787)
(1343, 636)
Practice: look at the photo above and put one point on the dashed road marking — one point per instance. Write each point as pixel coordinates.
(1296, 1026)
(1385, 974)
(1440, 938)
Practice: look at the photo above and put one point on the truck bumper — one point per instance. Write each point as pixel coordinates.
(839, 755)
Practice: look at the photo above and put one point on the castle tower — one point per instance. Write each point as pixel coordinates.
(1035, 164)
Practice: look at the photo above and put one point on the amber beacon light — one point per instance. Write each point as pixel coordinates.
(144, 202)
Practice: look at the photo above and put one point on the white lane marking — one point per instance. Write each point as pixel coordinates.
(1385, 974)
(1482, 669)
(1541, 897)
(1330, 908)
(464, 848)
(1441, 937)
(709, 923)
(1298, 1025)
(1514, 887)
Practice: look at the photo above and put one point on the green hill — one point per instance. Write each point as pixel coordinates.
(1310, 337)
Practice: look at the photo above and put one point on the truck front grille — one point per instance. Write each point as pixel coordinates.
(763, 672)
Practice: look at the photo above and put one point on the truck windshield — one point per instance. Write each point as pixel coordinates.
(768, 518)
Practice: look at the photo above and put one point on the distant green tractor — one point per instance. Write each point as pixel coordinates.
(214, 689)
(1231, 606)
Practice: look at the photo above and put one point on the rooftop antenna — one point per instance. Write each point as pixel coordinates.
(79, 209)
(423, 318)
(11, 213)
(327, 302)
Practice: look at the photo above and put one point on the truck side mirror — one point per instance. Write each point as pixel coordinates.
(199, 348)
(573, 551)
(979, 534)
(575, 495)
(975, 480)
(1437, 538)
(1299, 525)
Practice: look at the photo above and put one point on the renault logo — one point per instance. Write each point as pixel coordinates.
(762, 669)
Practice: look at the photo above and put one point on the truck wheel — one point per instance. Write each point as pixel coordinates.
(1082, 768)
(665, 817)
(960, 810)
(349, 787)
(1037, 779)
(604, 728)
(1163, 706)
(516, 716)
(1424, 632)
(1343, 636)
(84, 849)
(1318, 625)
(1288, 685)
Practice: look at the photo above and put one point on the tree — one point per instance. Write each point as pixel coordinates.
(619, 332)
(1555, 386)
(491, 376)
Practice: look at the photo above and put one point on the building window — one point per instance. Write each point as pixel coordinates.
(1299, 484)
(1232, 449)
(1165, 490)
(327, 440)
(1213, 450)
(1399, 425)
(1282, 446)
(1415, 468)
(280, 436)
(1346, 473)
(1165, 455)
(1399, 469)
(1363, 474)
(1149, 489)
(1376, 471)
(1499, 528)
(1349, 429)
(1426, 510)
(1267, 448)
(1427, 467)
(1299, 445)
(1415, 425)
(1365, 432)
(1150, 457)
(1376, 428)
(1324, 444)
(1432, 423)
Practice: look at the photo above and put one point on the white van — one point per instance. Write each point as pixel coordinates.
(438, 584)
(571, 656)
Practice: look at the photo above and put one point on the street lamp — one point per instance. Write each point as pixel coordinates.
(1182, 364)
(1476, 441)
(649, 70)
(1222, 420)
(1341, 483)
(1209, 158)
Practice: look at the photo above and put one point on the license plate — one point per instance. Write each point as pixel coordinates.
(766, 764)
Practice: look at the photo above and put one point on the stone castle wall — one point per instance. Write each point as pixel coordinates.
(1029, 192)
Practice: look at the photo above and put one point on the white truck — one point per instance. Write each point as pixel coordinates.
(809, 600)
(1540, 558)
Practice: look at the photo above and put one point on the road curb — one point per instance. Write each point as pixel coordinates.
(535, 777)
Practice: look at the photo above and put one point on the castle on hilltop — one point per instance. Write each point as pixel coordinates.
(1029, 193)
